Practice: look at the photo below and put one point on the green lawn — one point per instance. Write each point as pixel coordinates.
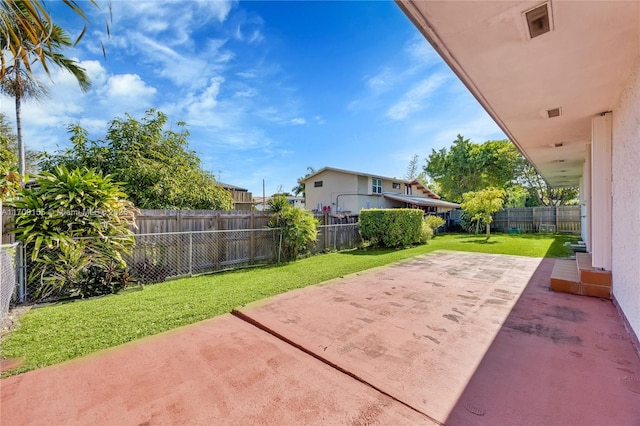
(55, 333)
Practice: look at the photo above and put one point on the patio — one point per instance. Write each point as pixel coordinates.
(448, 338)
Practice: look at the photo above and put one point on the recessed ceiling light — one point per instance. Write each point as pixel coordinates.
(538, 20)
(555, 112)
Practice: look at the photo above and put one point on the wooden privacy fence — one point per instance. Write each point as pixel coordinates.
(164, 221)
(538, 219)
(167, 221)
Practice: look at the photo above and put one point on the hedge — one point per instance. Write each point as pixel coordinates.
(391, 227)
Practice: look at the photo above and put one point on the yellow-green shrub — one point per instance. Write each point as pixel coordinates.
(391, 227)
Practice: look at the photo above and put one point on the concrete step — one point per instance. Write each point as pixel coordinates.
(568, 276)
(565, 277)
(590, 275)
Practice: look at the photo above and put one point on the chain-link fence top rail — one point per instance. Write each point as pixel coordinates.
(155, 257)
(8, 276)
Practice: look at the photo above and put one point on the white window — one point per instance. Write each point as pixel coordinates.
(317, 184)
(377, 186)
(395, 185)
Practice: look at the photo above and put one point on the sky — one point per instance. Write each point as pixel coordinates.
(267, 88)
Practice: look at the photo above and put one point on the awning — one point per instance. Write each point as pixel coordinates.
(420, 201)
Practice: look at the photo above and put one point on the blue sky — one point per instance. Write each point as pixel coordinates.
(266, 88)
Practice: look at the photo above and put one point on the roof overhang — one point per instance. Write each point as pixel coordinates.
(580, 67)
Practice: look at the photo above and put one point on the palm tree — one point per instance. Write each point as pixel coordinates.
(20, 83)
(299, 188)
(25, 31)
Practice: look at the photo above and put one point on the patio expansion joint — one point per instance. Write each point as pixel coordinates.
(244, 317)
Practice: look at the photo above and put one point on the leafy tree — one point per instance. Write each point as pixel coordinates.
(156, 167)
(482, 204)
(466, 167)
(9, 149)
(539, 191)
(414, 173)
(297, 227)
(8, 157)
(18, 80)
(299, 188)
(75, 227)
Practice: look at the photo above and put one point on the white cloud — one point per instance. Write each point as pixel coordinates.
(414, 100)
(204, 103)
(298, 121)
(421, 52)
(128, 85)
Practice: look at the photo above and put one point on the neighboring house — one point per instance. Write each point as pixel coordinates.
(562, 80)
(242, 199)
(262, 204)
(345, 191)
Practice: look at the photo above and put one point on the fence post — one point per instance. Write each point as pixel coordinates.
(21, 261)
(557, 219)
(508, 219)
(327, 239)
(190, 253)
(252, 238)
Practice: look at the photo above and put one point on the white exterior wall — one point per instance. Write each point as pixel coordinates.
(347, 192)
(626, 200)
(332, 184)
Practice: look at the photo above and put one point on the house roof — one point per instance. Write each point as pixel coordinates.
(350, 172)
(231, 187)
(580, 66)
(420, 201)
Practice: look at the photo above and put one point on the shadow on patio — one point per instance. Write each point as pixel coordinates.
(558, 359)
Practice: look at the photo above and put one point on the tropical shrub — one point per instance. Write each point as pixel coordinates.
(391, 227)
(297, 228)
(434, 222)
(75, 227)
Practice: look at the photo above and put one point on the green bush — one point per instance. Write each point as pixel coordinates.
(298, 228)
(391, 227)
(75, 227)
(434, 222)
(426, 233)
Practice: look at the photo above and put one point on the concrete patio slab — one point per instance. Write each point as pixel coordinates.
(220, 371)
(449, 338)
(468, 339)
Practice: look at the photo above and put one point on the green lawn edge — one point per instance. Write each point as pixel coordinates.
(57, 333)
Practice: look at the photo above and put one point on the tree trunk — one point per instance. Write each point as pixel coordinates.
(18, 95)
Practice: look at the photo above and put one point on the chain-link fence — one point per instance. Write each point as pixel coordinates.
(155, 257)
(8, 276)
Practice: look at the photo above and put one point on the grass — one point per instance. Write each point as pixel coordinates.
(57, 333)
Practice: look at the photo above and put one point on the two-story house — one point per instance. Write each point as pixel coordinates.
(338, 191)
